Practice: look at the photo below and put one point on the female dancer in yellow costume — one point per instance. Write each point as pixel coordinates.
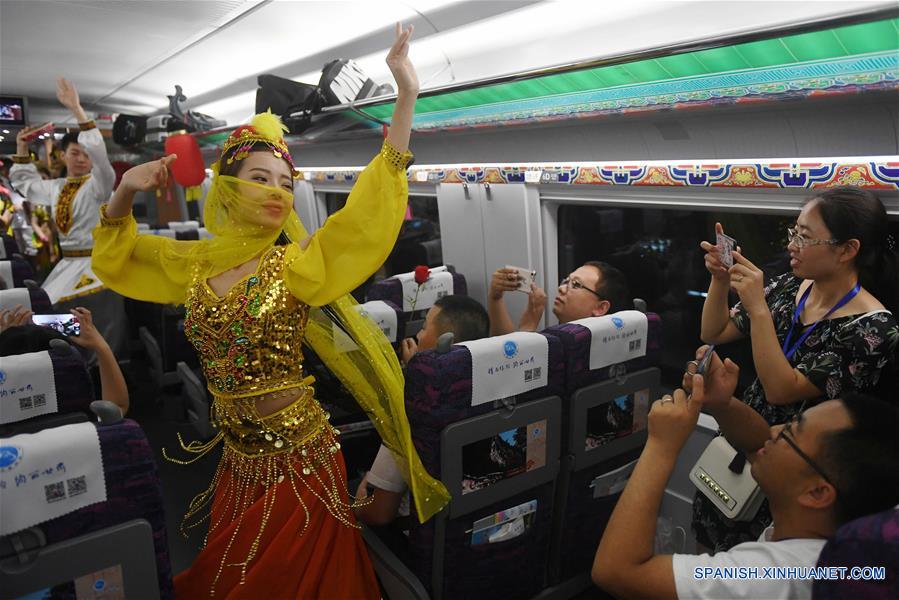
(280, 519)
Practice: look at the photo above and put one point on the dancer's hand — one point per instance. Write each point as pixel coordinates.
(67, 94)
(400, 66)
(148, 176)
(68, 97)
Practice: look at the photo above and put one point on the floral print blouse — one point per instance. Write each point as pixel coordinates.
(841, 354)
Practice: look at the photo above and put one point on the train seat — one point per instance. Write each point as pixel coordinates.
(611, 378)
(14, 272)
(401, 290)
(119, 541)
(498, 521)
(31, 297)
(870, 541)
(39, 387)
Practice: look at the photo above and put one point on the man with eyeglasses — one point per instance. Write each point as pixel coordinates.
(592, 290)
(835, 462)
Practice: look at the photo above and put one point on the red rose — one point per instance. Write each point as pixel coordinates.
(422, 274)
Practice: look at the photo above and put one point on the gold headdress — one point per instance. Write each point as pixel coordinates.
(265, 128)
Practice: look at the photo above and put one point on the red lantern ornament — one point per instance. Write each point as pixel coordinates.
(188, 169)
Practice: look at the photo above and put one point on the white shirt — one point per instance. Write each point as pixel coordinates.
(759, 555)
(86, 205)
(385, 475)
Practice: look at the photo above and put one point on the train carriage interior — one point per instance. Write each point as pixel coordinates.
(547, 136)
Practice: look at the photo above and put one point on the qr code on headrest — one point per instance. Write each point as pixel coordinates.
(40, 400)
(77, 486)
(532, 374)
(25, 403)
(635, 345)
(55, 492)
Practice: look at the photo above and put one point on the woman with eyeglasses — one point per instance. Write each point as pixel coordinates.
(825, 328)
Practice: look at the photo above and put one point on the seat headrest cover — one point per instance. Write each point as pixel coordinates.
(27, 387)
(383, 315)
(616, 338)
(49, 474)
(11, 298)
(507, 365)
(415, 297)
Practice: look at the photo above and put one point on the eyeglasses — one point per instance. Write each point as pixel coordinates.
(794, 237)
(577, 285)
(786, 434)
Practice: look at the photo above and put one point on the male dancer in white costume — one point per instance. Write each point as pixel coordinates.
(75, 202)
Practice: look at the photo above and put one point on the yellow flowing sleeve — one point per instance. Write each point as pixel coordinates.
(355, 241)
(143, 267)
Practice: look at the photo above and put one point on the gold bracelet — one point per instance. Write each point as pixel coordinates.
(400, 160)
(87, 125)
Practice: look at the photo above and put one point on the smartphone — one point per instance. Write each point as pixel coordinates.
(704, 363)
(67, 325)
(45, 128)
(726, 246)
(525, 278)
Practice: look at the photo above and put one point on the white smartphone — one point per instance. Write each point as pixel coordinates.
(67, 325)
(525, 278)
(726, 246)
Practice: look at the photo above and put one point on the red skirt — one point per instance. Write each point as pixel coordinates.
(322, 559)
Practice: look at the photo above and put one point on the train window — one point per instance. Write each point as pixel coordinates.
(658, 250)
(418, 242)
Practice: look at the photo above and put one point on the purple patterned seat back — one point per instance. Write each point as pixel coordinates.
(391, 290)
(871, 541)
(21, 271)
(585, 512)
(40, 301)
(576, 347)
(74, 386)
(133, 491)
(438, 393)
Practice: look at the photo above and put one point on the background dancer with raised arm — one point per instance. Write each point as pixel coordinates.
(73, 204)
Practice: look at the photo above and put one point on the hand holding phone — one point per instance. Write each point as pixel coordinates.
(66, 324)
(706, 358)
(525, 278)
(726, 245)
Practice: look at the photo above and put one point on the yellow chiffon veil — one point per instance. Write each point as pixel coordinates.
(370, 371)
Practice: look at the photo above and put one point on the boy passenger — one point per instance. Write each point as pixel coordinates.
(592, 290)
(833, 463)
(467, 319)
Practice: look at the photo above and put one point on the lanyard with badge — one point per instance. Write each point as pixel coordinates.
(788, 350)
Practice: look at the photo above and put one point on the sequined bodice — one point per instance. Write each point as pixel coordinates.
(249, 341)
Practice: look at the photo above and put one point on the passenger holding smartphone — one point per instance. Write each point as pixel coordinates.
(822, 330)
(592, 290)
(18, 335)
